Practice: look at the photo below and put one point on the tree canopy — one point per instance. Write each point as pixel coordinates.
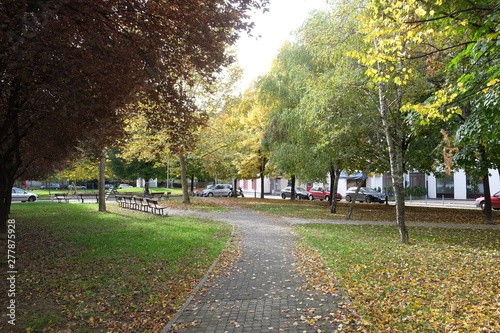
(68, 69)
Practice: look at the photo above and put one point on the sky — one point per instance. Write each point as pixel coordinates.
(255, 55)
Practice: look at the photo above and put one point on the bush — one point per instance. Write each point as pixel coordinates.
(416, 191)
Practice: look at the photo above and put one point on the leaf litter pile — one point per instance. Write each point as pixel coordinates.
(446, 281)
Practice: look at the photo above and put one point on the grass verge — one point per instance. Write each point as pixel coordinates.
(446, 281)
(121, 271)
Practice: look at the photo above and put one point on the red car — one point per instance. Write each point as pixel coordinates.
(495, 201)
(319, 192)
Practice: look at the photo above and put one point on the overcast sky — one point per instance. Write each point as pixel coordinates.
(274, 27)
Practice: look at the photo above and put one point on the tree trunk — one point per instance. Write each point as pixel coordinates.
(262, 185)
(5, 201)
(353, 202)
(184, 181)
(102, 180)
(10, 162)
(292, 193)
(334, 185)
(192, 184)
(395, 158)
(488, 214)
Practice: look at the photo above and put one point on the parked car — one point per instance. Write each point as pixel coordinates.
(200, 193)
(300, 193)
(78, 187)
(125, 186)
(51, 186)
(495, 201)
(219, 190)
(23, 196)
(365, 194)
(319, 192)
(108, 186)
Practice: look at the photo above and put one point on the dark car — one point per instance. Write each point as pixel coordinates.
(495, 201)
(365, 194)
(300, 193)
(320, 193)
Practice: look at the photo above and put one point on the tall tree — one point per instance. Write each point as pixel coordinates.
(394, 62)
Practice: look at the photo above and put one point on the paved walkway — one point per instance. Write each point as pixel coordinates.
(261, 294)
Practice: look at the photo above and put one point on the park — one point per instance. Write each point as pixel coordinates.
(97, 95)
(127, 270)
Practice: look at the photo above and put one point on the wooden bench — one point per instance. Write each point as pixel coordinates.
(82, 196)
(120, 200)
(157, 195)
(155, 208)
(61, 196)
(126, 201)
(140, 204)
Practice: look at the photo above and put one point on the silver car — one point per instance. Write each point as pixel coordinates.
(365, 194)
(23, 196)
(219, 190)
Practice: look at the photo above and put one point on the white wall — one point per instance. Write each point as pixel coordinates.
(431, 184)
(460, 185)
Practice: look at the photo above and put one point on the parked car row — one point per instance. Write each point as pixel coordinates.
(365, 194)
(315, 193)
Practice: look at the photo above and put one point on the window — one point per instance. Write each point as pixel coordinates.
(445, 185)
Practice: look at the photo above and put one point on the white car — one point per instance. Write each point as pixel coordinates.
(125, 186)
(219, 190)
(23, 196)
(78, 187)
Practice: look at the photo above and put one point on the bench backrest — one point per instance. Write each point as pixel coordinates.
(152, 201)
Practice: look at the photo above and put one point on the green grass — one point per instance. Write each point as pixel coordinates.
(447, 280)
(117, 271)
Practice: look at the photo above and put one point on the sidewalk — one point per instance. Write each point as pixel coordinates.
(261, 293)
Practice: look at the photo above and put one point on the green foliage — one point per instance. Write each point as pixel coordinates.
(416, 191)
(133, 169)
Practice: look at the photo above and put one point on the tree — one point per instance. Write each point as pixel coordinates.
(396, 66)
(337, 106)
(67, 67)
(467, 47)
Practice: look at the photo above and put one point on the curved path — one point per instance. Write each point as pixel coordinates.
(261, 293)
